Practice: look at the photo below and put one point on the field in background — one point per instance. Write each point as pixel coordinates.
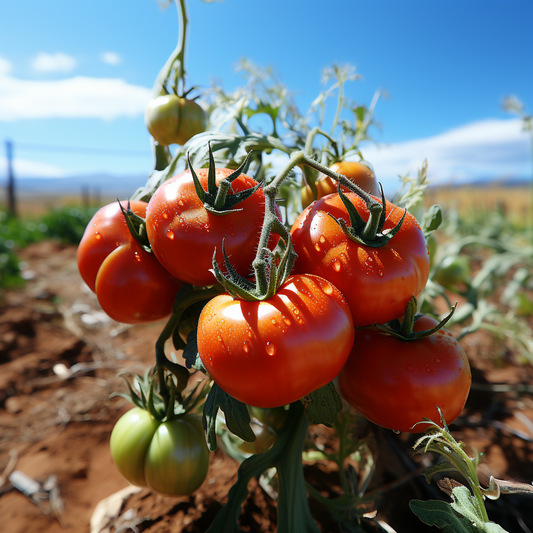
(469, 200)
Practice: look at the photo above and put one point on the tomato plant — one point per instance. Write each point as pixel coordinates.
(169, 457)
(130, 284)
(184, 234)
(377, 282)
(174, 120)
(395, 383)
(357, 172)
(273, 352)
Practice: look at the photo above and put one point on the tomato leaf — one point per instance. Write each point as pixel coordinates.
(322, 405)
(441, 514)
(190, 353)
(431, 220)
(235, 412)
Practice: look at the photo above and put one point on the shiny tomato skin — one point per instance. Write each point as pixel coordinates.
(272, 353)
(169, 457)
(395, 383)
(174, 120)
(130, 284)
(184, 235)
(177, 459)
(376, 282)
(355, 171)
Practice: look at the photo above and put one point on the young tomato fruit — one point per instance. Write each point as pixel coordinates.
(170, 457)
(130, 284)
(174, 120)
(184, 235)
(396, 383)
(355, 171)
(376, 282)
(273, 352)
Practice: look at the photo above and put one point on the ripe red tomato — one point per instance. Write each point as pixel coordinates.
(169, 457)
(377, 282)
(272, 353)
(396, 383)
(355, 171)
(174, 120)
(130, 284)
(184, 235)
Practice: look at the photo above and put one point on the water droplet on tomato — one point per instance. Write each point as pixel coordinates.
(137, 257)
(170, 234)
(180, 202)
(327, 289)
(287, 321)
(317, 247)
(437, 360)
(409, 368)
(337, 266)
(246, 348)
(460, 371)
(98, 236)
(273, 322)
(165, 215)
(296, 311)
(322, 239)
(270, 349)
(397, 431)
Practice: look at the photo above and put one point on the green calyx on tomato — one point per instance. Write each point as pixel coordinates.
(171, 119)
(216, 199)
(369, 232)
(405, 329)
(169, 457)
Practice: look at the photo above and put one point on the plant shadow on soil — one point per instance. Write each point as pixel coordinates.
(60, 358)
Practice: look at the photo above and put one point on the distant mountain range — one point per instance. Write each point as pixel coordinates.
(96, 185)
(122, 187)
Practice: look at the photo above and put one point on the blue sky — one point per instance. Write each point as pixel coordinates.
(79, 75)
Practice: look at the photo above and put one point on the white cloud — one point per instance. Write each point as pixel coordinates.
(25, 168)
(111, 58)
(76, 97)
(485, 149)
(57, 62)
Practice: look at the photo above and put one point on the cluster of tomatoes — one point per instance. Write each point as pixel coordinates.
(359, 264)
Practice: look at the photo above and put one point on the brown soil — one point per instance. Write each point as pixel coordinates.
(59, 362)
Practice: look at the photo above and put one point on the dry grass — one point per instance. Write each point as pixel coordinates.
(514, 201)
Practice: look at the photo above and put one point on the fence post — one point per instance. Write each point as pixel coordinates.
(11, 199)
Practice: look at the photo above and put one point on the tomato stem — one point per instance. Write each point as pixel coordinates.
(285, 455)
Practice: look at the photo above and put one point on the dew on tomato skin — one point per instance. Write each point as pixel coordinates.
(317, 247)
(165, 215)
(246, 348)
(409, 368)
(322, 239)
(327, 289)
(337, 266)
(270, 349)
(437, 360)
(98, 236)
(273, 322)
(137, 257)
(287, 321)
(170, 234)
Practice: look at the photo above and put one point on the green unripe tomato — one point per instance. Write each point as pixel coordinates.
(174, 120)
(452, 272)
(170, 457)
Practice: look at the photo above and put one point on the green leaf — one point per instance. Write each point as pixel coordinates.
(235, 412)
(431, 220)
(466, 505)
(322, 405)
(441, 514)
